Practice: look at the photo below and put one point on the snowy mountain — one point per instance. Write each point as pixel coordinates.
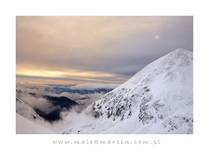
(25, 110)
(157, 99)
(47, 102)
(45, 106)
(25, 126)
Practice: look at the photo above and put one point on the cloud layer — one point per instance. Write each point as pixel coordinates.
(97, 47)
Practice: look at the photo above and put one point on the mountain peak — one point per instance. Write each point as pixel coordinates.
(180, 53)
(160, 92)
(157, 99)
(181, 50)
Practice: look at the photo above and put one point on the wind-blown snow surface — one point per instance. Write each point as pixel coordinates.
(157, 99)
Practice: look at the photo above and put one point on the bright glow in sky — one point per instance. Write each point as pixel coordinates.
(109, 49)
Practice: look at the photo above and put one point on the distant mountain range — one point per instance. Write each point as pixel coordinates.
(62, 89)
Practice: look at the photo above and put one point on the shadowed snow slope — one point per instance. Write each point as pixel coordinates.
(25, 126)
(157, 99)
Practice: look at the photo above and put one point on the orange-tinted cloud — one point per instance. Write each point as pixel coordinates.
(96, 47)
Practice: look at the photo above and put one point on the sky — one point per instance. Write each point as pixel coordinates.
(95, 49)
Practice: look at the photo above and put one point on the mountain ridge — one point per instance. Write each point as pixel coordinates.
(157, 99)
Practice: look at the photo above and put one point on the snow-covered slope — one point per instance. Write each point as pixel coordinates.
(25, 110)
(157, 99)
(25, 126)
